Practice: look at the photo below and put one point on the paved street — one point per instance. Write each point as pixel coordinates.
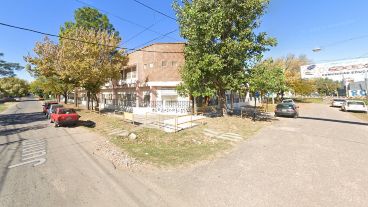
(320, 159)
(70, 176)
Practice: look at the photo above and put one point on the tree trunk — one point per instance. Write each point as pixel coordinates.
(65, 97)
(97, 102)
(192, 99)
(88, 99)
(232, 101)
(255, 108)
(76, 97)
(195, 104)
(222, 103)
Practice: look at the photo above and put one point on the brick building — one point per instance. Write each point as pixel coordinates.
(149, 79)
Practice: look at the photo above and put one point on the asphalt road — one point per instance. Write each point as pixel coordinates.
(317, 160)
(66, 172)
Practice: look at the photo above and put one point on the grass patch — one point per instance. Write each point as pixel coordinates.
(308, 100)
(163, 149)
(4, 106)
(159, 148)
(173, 149)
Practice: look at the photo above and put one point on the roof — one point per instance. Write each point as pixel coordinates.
(158, 43)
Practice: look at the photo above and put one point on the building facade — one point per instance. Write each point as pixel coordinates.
(149, 80)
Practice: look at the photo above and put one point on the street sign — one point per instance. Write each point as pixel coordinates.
(257, 94)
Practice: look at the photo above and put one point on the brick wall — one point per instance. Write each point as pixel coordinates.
(155, 66)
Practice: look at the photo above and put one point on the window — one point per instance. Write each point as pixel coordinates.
(174, 63)
(151, 65)
(164, 63)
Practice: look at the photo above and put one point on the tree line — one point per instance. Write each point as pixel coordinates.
(11, 86)
(85, 56)
(225, 52)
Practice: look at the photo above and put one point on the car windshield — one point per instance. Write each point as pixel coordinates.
(66, 111)
(287, 101)
(54, 107)
(284, 106)
(339, 100)
(357, 103)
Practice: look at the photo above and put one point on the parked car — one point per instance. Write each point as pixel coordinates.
(354, 105)
(46, 106)
(64, 117)
(337, 102)
(288, 101)
(287, 109)
(52, 109)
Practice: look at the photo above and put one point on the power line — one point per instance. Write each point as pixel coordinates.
(78, 40)
(138, 34)
(157, 38)
(155, 10)
(343, 41)
(124, 19)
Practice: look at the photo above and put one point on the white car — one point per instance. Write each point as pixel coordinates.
(336, 102)
(353, 105)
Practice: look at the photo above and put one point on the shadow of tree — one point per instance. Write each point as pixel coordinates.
(7, 132)
(21, 118)
(334, 120)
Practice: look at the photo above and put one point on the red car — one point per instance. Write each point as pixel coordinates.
(47, 105)
(63, 117)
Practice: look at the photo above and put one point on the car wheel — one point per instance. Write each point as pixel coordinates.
(51, 121)
(56, 124)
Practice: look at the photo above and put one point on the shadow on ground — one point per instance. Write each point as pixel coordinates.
(334, 120)
(7, 132)
(21, 118)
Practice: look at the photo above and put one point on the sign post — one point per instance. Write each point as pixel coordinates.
(256, 95)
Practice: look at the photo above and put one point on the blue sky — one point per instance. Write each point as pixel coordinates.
(338, 26)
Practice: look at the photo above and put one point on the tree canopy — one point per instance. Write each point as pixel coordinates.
(326, 86)
(266, 77)
(90, 19)
(7, 68)
(13, 86)
(221, 43)
(88, 63)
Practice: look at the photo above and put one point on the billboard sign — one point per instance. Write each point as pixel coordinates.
(351, 70)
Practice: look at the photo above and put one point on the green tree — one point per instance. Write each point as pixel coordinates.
(91, 65)
(47, 66)
(266, 77)
(291, 65)
(304, 87)
(91, 19)
(7, 68)
(326, 86)
(221, 43)
(36, 87)
(12, 86)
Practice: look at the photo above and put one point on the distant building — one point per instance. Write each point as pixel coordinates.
(351, 73)
(352, 70)
(359, 88)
